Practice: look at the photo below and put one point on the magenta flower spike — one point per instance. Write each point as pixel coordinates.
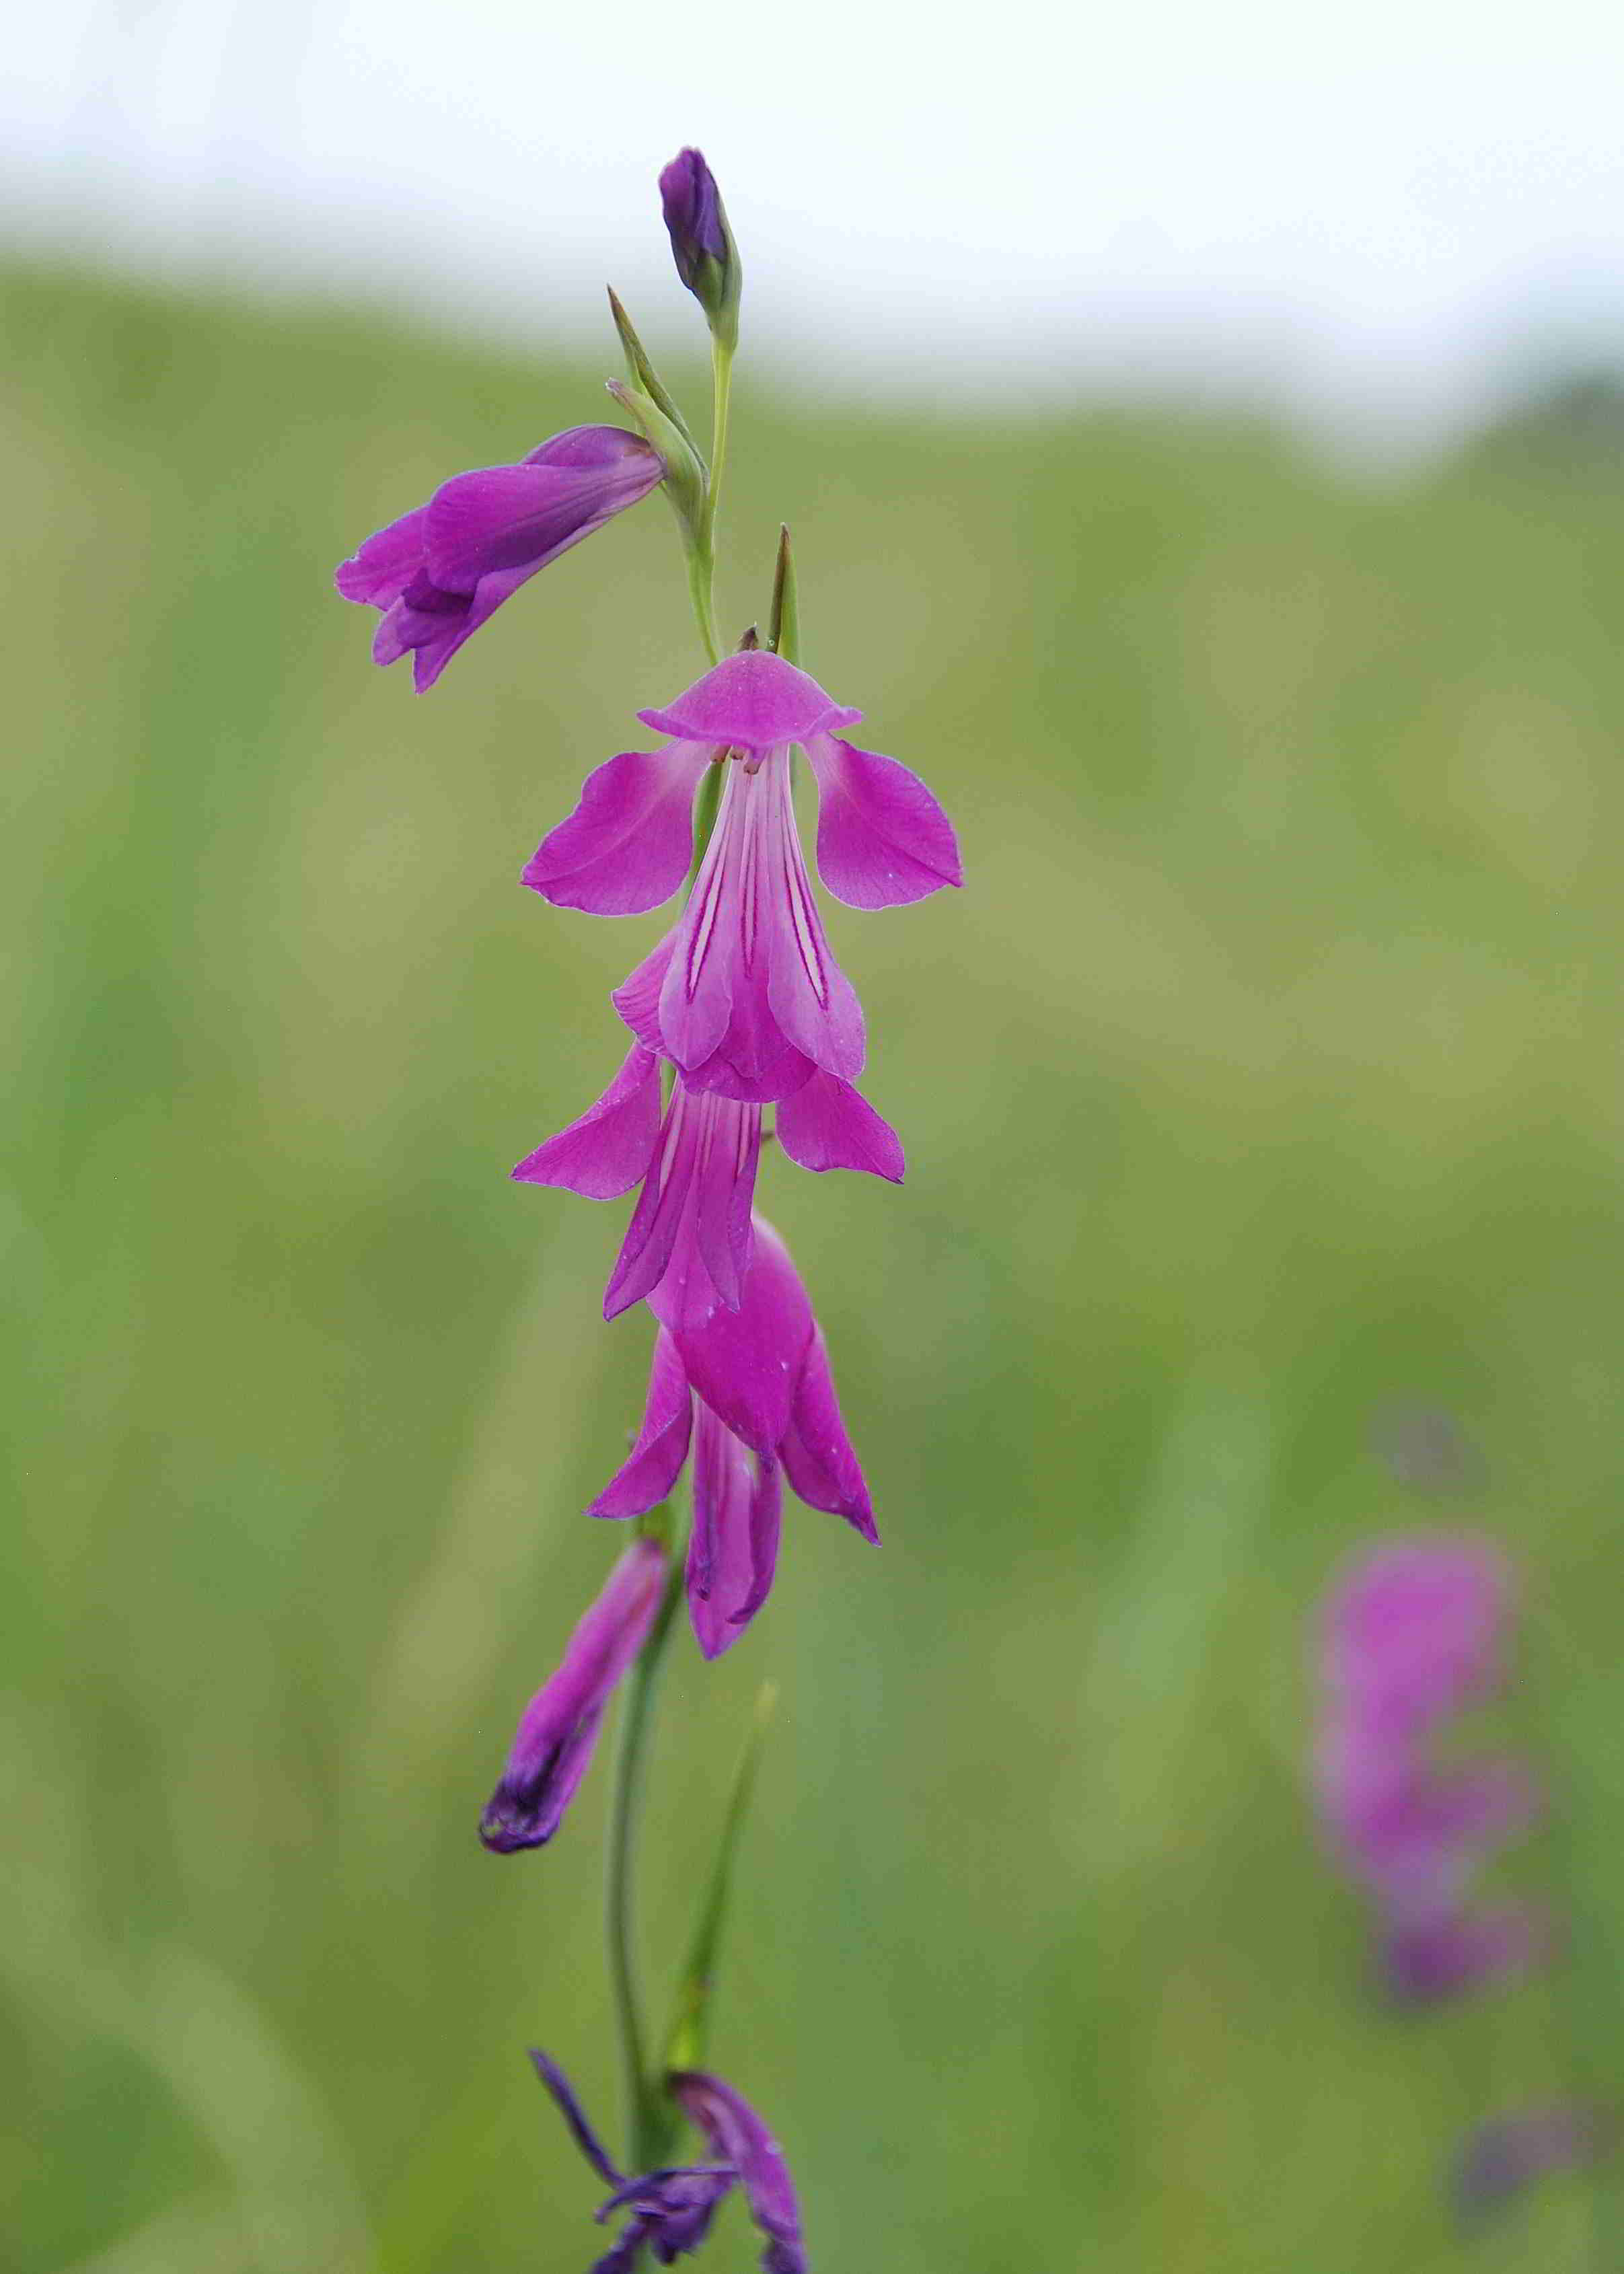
(671, 2208)
(440, 572)
(557, 1730)
(1410, 1636)
(744, 996)
(765, 1397)
(688, 1244)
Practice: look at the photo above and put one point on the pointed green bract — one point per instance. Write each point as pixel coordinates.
(685, 2045)
(784, 623)
(642, 372)
(685, 477)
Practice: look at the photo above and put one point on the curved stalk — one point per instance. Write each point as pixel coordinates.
(645, 2117)
(651, 2124)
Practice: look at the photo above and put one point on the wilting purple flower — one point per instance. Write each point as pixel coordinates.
(671, 2208)
(441, 571)
(765, 1400)
(702, 244)
(687, 1246)
(1409, 1639)
(739, 2138)
(744, 995)
(1501, 2159)
(557, 1729)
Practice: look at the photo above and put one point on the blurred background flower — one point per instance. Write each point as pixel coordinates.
(1275, 1089)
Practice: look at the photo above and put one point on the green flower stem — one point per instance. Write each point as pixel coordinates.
(701, 577)
(721, 374)
(701, 551)
(646, 2120)
(649, 2121)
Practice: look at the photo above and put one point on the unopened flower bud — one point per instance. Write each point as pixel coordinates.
(702, 244)
(557, 1730)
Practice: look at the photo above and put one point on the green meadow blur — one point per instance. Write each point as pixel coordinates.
(1261, 1099)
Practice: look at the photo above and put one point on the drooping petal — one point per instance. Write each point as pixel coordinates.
(826, 1124)
(557, 1730)
(811, 998)
(673, 2210)
(696, 997)
(621, 2257)
(766, 1515)
(431, 625)
(575, 2117)
(817, 1455)
(688, 1241)
(725, 1191)
(656, 1460)
(882, 840)
(637, 996)
(609, 1148)
(379, 572)
(733, 1550)
(627, 846)
(747, 1363)
(738, 2137)
(751, 702)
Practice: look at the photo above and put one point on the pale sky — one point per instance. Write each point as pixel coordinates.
(1362, 212)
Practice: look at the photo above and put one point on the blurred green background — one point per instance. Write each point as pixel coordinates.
(1262, 1107)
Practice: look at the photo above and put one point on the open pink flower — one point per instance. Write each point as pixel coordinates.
(441, 571)
(688, 1246)
(765, 1401)
(744, 995)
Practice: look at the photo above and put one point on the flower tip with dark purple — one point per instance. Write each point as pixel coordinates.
(690, 201)
(558, 1731)
(692, 207)
(671, 2208)
(702, 244)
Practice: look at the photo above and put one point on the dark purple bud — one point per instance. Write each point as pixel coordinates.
(557, 1729)
(702, 244)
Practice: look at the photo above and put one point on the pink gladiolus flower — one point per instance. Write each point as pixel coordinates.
(1409, 1637)
(441, 571)
(558, 1731)
(688, 1246)
(766, 1400)
(744, 995)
